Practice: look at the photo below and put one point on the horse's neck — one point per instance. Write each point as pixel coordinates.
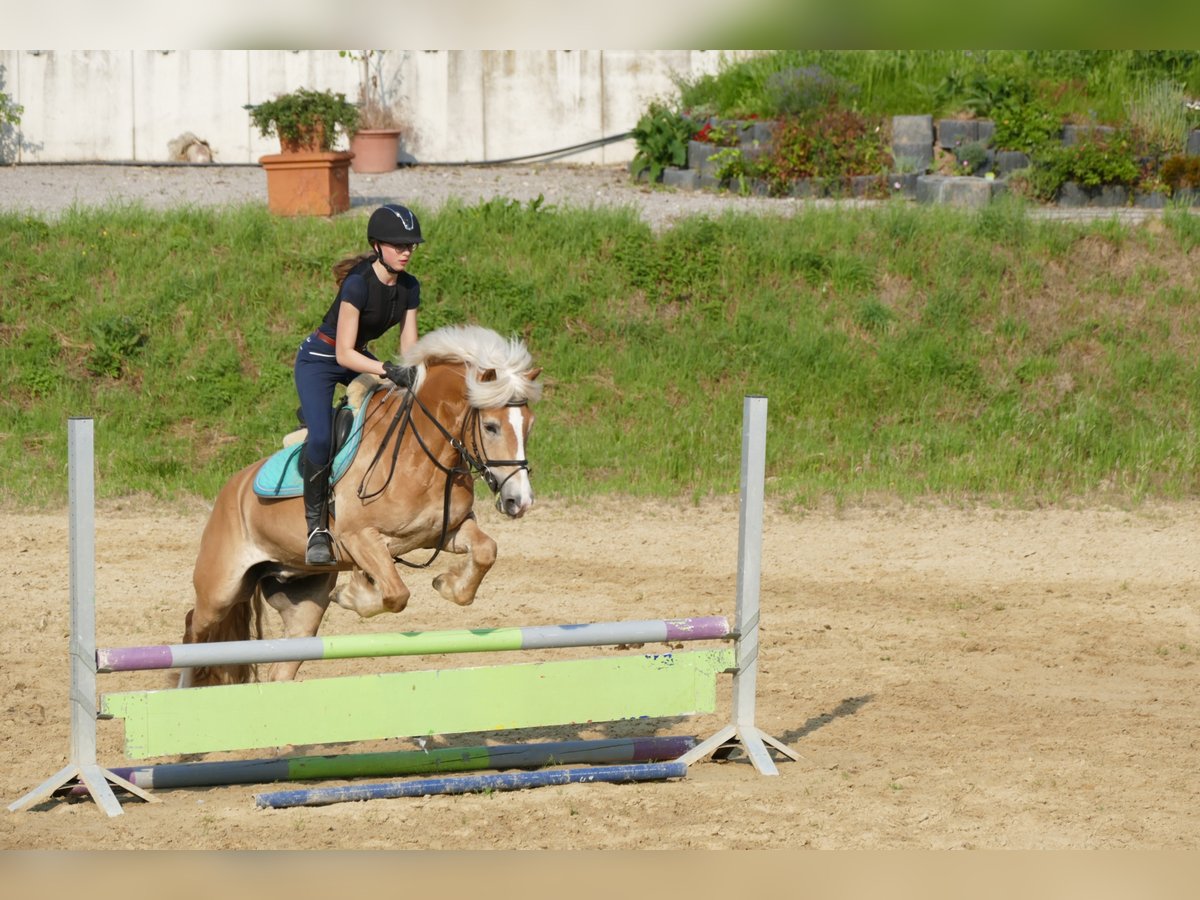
(442, 396)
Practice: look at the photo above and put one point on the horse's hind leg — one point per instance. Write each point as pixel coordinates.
(224, 611)
(301, 603)
(460, 583)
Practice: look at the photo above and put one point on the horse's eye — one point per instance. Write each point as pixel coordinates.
(491, 428)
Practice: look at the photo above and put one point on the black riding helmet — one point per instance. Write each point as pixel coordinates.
(394, 224)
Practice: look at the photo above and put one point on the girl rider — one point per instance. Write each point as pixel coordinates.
(374, 294)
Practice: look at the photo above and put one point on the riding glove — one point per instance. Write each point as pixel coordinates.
(399, 375)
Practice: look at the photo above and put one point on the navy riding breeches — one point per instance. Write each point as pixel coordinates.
(317, 374)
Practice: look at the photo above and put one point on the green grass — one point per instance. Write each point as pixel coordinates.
(907, 352)
(1081, 85)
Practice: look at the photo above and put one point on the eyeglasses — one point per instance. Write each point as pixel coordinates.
(403, 248)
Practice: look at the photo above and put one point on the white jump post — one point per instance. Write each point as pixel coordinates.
(81, 486)
(749, 577)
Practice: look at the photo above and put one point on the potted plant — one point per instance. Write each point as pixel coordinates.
(309, 177)
(375, 138)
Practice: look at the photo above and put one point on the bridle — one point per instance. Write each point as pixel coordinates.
(474, 425)
(474, 464)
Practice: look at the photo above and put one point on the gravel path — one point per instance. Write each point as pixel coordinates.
(46, 190)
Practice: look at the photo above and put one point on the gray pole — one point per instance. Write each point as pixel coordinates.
(742, 729)
(81, 532)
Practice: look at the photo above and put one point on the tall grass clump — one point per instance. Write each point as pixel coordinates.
(1158, 114)
(907, 352)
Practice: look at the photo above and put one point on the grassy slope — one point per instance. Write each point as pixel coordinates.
(906, 351)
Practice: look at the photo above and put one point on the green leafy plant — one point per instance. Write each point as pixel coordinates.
(305, 119)
(1024, 126)
(114, 341)
(972, 158)
(10, 118)
(10, 112)
(983, 92)
(661, 136)
(1095, 161)
(732, 168)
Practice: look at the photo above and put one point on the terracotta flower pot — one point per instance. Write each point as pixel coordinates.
(308, 184)
(375, 149)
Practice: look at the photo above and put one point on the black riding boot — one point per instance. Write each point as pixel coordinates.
(319, 551)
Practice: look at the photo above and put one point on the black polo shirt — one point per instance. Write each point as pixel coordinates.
(380, 306)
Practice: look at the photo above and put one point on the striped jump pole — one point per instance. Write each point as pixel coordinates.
(412, 643)
(466, 784)
(404, 762)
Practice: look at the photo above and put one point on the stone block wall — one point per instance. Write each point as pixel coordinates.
(916, 141)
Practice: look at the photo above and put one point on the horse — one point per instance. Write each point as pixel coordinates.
(409, 487)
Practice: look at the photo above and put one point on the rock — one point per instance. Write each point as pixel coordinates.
(190, 149)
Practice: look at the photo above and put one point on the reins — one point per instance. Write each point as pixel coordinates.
(475, 463)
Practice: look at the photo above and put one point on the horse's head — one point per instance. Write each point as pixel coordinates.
(499, 440)
(501, 383)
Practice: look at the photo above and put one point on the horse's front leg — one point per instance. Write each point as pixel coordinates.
(462, 581)
(375, 586)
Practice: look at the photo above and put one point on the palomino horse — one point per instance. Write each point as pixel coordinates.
(410, 486)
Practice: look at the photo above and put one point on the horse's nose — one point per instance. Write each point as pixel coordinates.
(513, 507)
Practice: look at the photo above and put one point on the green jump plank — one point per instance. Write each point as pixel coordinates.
(412, 704)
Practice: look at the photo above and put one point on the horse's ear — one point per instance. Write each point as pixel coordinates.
(487, 375)
(532, 374)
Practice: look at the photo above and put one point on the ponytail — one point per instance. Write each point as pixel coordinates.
(343, 267)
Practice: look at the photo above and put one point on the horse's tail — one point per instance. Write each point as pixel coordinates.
(236, 626)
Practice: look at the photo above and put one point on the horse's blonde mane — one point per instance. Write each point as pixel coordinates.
(481, 349)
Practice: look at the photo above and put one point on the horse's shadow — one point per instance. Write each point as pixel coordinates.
(847, 707)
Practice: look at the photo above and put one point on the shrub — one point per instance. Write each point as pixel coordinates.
(836, 145)
(661, 136)
(375, 109)
(1027, 127)
(1181, 173)
(723, 134)
(982, 92)
(804, 92)
(305, 119)
(1092, 162)
(972, 158)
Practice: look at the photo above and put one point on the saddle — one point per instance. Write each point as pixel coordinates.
(279, 475)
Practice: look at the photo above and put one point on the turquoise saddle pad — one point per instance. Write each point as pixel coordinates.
(279, 475)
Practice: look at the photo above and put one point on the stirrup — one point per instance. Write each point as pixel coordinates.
(319, 551)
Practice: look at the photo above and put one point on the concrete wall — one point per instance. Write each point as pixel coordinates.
(459, 105)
